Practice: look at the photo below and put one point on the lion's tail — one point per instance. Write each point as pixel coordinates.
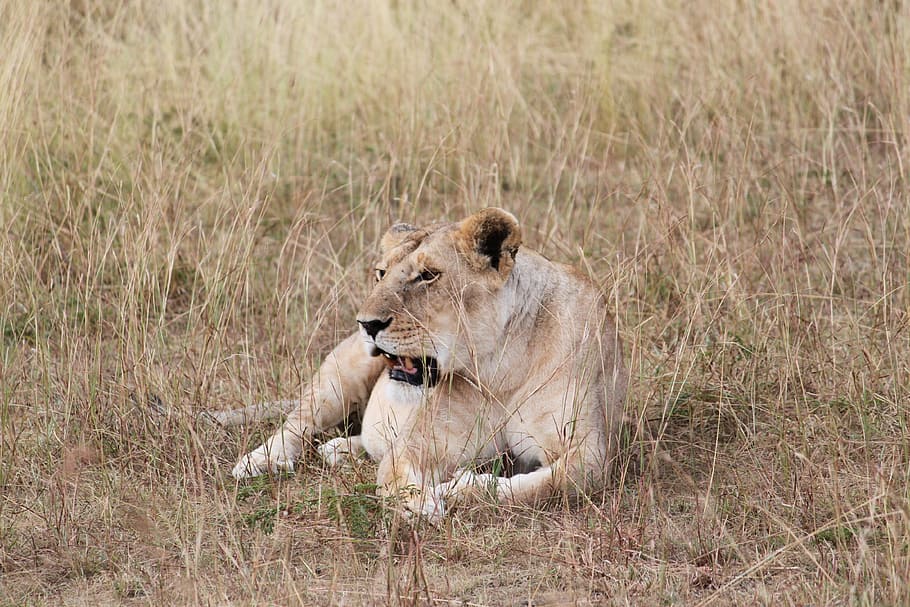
(250, 414)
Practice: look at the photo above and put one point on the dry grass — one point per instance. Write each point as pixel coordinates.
(190, 194)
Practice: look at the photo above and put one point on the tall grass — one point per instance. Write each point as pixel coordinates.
(190, 196)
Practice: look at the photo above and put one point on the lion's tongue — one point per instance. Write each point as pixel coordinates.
(407, 364)
(402, 363)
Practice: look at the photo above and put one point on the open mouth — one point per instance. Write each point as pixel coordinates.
(415, 371)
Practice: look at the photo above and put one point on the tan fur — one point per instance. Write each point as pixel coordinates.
(529, 364)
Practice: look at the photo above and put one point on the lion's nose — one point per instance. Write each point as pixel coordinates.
(373, 327)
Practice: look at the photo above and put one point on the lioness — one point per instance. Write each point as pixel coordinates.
(468, 348)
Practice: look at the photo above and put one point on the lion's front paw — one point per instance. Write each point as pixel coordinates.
(258, 462)
(339, 450)
(466, 483)
(428, 507)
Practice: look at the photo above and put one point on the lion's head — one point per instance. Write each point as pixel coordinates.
(436, 294)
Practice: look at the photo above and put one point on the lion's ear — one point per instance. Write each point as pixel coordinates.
(490, 238)
(395, 236)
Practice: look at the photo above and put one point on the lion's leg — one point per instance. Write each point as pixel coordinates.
(527, 488)
(402, 476)
(344, 379)
(258, 412)
(449, 429)
(578, 471)
(573, 441)
(415, 477)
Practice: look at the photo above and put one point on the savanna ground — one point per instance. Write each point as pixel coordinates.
(191, 193)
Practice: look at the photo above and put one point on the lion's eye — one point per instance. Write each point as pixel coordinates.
(379, 274)
(429, 276)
